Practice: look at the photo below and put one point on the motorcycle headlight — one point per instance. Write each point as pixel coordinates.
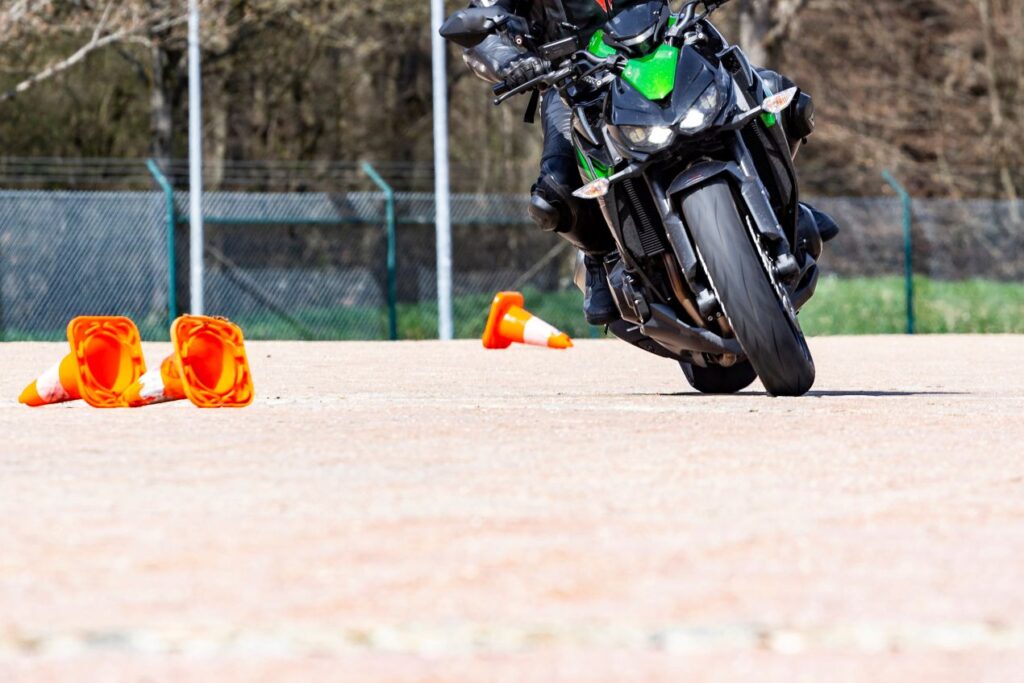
(647, 138)
(704, 110)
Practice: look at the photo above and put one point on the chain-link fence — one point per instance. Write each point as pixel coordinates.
(316, 265)
(63, 254)
(967, 260)
(284, 266)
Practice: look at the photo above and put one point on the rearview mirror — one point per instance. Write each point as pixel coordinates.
(469, 27)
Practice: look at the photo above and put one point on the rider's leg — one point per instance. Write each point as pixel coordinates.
(554, 209)
(826, 227)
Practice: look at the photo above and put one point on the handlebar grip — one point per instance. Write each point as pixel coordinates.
(500, 89)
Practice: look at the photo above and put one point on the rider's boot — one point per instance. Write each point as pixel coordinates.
(554, 209)
(813, 229)
(808, 238)
(827, 227)
(599, 307)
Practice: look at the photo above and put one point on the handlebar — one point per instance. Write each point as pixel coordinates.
(502, 91)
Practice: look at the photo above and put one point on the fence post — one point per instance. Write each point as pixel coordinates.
(172, 219)
(908, 245)
(389, 203)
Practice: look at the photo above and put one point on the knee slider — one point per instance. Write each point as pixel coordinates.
(544, 214)
(551, 206)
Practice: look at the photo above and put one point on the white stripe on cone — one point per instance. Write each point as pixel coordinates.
(49, 388)
(538, 332)
(151, 386)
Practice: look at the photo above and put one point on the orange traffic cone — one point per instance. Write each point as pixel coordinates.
(105, 359)
(509, 322)
(209, 367)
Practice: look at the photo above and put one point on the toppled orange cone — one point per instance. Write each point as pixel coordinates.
(209, 367)
(510, 323)
(106, 358)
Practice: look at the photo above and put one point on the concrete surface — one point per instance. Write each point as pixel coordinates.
(434, 512)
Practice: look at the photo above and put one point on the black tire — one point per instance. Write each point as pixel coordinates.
(765, 326)
(718, 380)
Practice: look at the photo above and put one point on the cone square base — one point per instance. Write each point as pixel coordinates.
(214, 368)
(107, 353)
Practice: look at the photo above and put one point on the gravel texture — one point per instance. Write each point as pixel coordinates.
(420, 512)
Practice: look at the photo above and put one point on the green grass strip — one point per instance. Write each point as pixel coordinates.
(842, 306)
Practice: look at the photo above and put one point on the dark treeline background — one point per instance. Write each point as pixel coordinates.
(929, 88)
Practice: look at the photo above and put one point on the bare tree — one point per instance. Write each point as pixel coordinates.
(106, 25)
(932, 89)
(765, 25)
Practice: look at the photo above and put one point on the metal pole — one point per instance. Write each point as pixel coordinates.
(389, 208)
(445, 326)
(195, 154)
(908, 246)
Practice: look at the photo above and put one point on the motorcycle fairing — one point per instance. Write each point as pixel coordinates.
(629, 106)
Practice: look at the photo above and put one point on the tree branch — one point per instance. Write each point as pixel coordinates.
(96, 43)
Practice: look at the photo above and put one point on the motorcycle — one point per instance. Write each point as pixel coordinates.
(687, 151)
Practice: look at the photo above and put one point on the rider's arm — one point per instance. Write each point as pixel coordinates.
(490, 59)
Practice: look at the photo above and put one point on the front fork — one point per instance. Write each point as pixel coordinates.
(799, 280)
(766, 223)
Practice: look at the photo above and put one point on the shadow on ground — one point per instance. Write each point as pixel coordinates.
(853, 393)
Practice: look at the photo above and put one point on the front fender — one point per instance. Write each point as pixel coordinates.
(751, 189)
(698, 174)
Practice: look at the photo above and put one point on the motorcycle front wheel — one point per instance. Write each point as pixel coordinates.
(758, 311)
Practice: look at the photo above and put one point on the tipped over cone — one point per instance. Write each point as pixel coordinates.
(106, 358)
(57, 385)
(509, 323)
(209, 367)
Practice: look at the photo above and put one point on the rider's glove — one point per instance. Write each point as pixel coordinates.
(524, 68)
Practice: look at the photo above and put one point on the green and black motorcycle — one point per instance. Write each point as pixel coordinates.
(686, 150)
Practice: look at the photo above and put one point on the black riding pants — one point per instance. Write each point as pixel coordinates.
(583, 225)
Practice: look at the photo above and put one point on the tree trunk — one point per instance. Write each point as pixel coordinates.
(161, 106)
(217, 115)
(755, 19)
(765, 26)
